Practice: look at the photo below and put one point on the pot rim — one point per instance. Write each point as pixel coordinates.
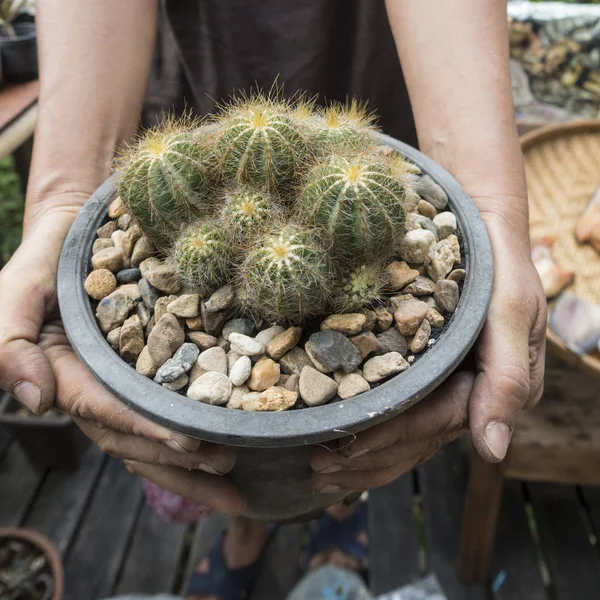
(287, 428)
(47, 547)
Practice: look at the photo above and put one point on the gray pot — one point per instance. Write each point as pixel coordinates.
(273, 449)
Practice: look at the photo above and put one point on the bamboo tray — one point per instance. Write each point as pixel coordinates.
(562, 163)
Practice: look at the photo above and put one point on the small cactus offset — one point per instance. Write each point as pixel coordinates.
(258, 143)
(359, 202)
(288, 275)
(361, 287)
(164, 180)
(203, 256)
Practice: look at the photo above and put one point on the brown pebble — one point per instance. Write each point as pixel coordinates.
(131, 340)
(455, 248)
(109, 258)
(204, 341)
(371, 319)
(446, 295)
(421, 286)
(264, 374)
(281, 344)
(395, 301)
(194, 324)
(293, 383)
(145, 365)
(100, 283)
(113, 338)
(457, 275)
(385, 319)
(143, 249)
(106, 230)
(421, 337)
(164, 278)
(348, 324)
(409, 316)
(400, 274)
(101, 244)
(160, 308)
(434, 317)
(165, 338)
(426, 209)
(116, 208)
(366, 342)
(273, 399)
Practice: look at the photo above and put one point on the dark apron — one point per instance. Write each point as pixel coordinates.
(339, 49)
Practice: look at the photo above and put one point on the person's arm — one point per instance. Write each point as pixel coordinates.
(454, 56)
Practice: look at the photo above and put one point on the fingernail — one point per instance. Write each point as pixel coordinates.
(497, 438)
(328, 489)
(29, 395)
(331, 469)
(358, 453)
(208, 469)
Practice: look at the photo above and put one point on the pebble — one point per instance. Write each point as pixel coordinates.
(348, 324)
(392, 341)
(181, 363)
(351, 385)
(429, 190)
(178, 384)
(113, 338)
(385, 319)
(371, 319)
(235, 400)
(117, 240)
(100, 283)
(232, 358)
(274, 399)
(149, 293)
(381, 367)
(150, 325)
(430, 302)
(211, 388)
(148, 265)
(165, 338)
(131, 339)
(143, 313)
(421, 286)
(240, 370)
(223, 343)
(243, 344)
(109, 258)
(427, 224)
(416, 244)
(455, 248)
(243, 326)
(186, 306)
(294, 361)
(143, 249)
(427, 209)
(164, 278)
(222, 299)
(106, 230)
(265, 374)
(421, 337)
(113, 310)
(101, 244)
(315, 387)
(204, 341)
(335, 351)
(266, 335)
(440, 260)
(213, 321)
(160, 308)
(457, 275)
(212, 360)
(400, 274)
(367, 343)
(446, 295)
(445, 223)
(284, 342)
(409, 316)
(194, 324)
(293, 383)
(145, 365)
(128, 242)
(434, 317)
(124, 221)
(116, 208)
(128, 276)
(314, 362)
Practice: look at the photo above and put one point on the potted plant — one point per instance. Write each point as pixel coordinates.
(30, 567)
(18, 41)
(50, 440)
(344, 249)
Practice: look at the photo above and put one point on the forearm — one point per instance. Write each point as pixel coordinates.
(94, 64)
(455, 61)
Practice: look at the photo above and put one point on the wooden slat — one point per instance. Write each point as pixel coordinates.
(573, 562)
(281, 568)
(394, 544)
(94, 560)
(19, 480)
(443, 483)
(153, 560)
(515, 551)
(62, 498)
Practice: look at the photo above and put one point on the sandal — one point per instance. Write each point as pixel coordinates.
(222, 582)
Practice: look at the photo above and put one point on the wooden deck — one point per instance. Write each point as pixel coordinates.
(113, 543)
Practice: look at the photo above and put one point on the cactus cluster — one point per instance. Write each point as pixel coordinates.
(292, 204)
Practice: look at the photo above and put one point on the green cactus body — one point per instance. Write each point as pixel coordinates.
(359, 202)
(203, 256)
(361, 287)
(258, 144)
(288, 275)
(165, 182)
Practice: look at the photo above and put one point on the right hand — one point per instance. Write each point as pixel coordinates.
(38, 366)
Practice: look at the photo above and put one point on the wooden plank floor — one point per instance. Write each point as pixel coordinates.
(111, 541)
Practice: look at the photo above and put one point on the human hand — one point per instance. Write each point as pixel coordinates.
(39, 367)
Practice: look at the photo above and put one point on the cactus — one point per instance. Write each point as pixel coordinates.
(164, 180)
(258, 143)
(288, 275)
(203, 256)
(359, 201)
(361, 287)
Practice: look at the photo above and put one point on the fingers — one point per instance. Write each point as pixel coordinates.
(200, 488)
(210, 458)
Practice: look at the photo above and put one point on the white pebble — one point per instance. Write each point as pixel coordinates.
(211, 388)
(245, 345)
(240, 371)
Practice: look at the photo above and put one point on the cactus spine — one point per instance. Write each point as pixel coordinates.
(288, 275)
(361, 287)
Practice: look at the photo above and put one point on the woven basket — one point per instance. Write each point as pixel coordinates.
(562, 163)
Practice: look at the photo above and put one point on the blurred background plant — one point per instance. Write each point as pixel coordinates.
(10, 10)
(11, 209)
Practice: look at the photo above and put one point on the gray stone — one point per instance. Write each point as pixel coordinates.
(243, 344)
(294, 361)
(446, 295)
(178, 384)
(381, 367)
(335, 351)
(143, 313)
(429, 190)
(149, 293)
(243, 326)
(181, 363)
(113, 310)
(211, 388)
(426, 224)
(421, 286)
(213, 321)
(315, 387)
(240, 370)
(222, 299)
(128, 276)
(319, 366)
(392, 341)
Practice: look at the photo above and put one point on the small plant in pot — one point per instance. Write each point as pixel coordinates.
(277, 277)
(18, 41)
